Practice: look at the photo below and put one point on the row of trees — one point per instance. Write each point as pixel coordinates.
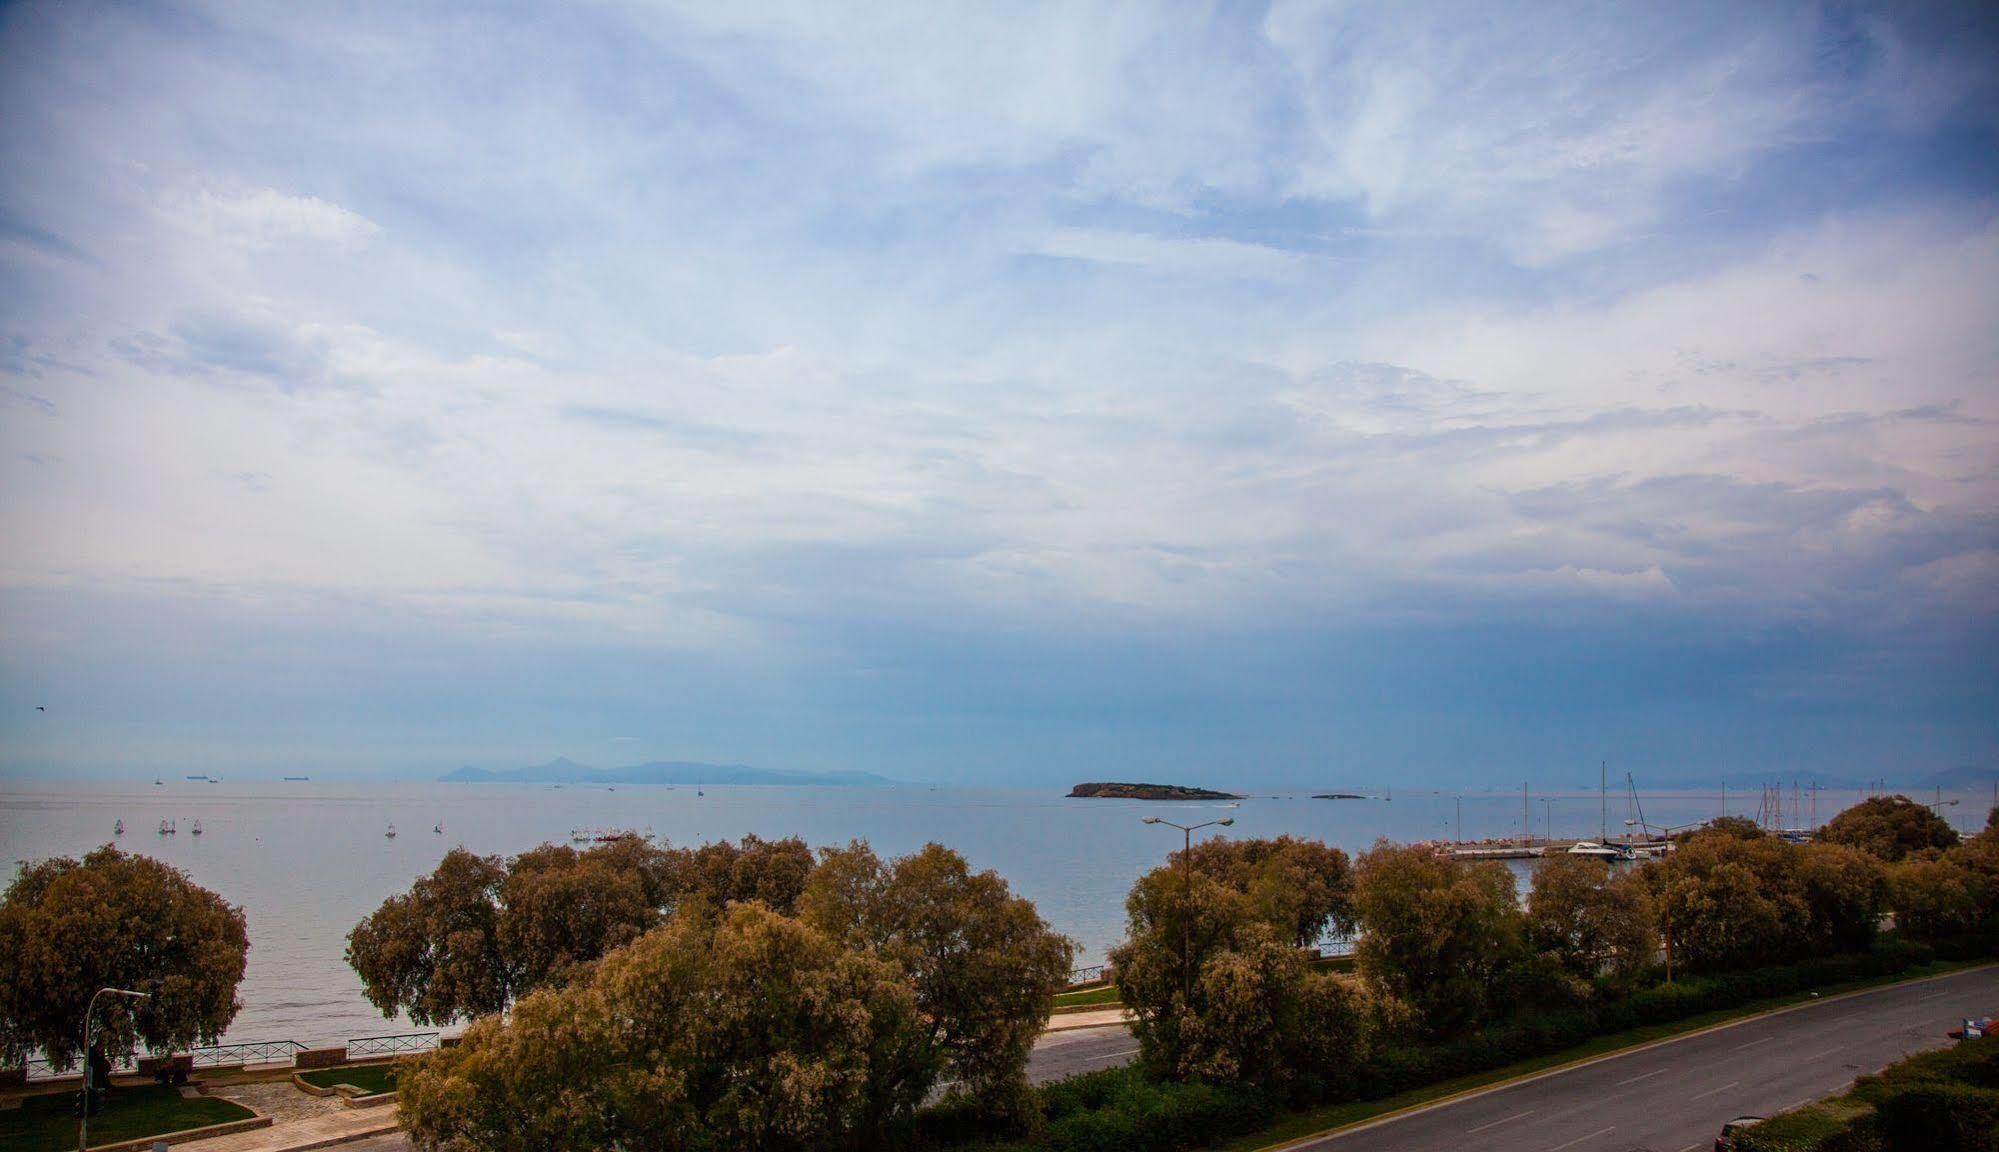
(1445, 945)
(733, 996)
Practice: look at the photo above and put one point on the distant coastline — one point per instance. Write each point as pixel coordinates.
(1110, 790)
(668, 772)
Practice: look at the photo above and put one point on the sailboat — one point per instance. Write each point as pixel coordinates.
(167, 828)
(1601, 847)
(438, 828)
(197, 828)
(119, 828)
(391, 833)
(159, 782)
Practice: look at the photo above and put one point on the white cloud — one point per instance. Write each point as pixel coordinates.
(260, 217)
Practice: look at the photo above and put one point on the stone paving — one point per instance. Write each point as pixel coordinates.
(280, 1100)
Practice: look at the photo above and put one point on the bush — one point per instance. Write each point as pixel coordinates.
(1936, 1116)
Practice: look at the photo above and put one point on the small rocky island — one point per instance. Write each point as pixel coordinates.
(1115, 791)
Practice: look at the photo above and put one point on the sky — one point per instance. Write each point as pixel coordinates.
(1001, 394)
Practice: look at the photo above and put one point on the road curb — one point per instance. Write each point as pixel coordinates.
(1529, 1078)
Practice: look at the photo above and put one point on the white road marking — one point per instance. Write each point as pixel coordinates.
(1816, 1055)
(1931, 996)
(1712, 1091)
(1497, 1123)
(1753, 1043)
(1580, 1139)
(1646, 1076)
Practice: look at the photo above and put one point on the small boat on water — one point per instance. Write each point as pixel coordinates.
(438, 828)
(197, 828)
(1601, 850)
(159, 782)
(119, 828)
(391, 833)
(167, 828)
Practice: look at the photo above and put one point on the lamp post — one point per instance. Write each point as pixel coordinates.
(89, 1015)
(1187, 893)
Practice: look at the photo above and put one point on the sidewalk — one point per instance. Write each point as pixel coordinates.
(315, 1132)
(1069, 1021)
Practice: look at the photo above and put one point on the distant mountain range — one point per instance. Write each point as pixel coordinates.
(563, 770)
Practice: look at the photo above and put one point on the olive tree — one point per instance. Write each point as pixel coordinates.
(983, 964)
(70, 927)
(737, 1029)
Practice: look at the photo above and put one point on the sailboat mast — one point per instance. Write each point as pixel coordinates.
(1602, 801)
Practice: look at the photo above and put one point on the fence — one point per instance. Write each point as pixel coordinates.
(248, 1052)
(392, 1045)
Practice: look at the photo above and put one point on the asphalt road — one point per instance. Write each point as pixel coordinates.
(1059, 1054)
(1668, 1098)
(1677, 1095)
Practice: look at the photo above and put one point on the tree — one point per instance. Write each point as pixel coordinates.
(1592, 920)
(1845, 891)
(771, 872)
(1436, 932)
(1890, 827)
(1938, 899)
(561, 908)
(1300, 887)
(738, 1029)
(1734, 827)
(983, 964)
(435, 951)
(1218, 994)
(69, 928)
(1714, 910)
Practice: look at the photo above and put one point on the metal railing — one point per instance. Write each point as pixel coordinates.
(248, 1052)
(392, 1045)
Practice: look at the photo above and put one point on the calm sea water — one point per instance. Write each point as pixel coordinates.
(307, 860)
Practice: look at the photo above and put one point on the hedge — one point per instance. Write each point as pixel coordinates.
(1942, 1101)
(1119, 1110)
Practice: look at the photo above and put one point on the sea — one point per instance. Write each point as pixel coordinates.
(307, 859)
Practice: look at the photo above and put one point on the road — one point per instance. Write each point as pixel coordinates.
(1677, 1095)
(1667, 1098)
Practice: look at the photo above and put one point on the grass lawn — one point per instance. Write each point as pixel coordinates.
(45, 1123)
(1103, 994)
(1298, 1125)
(371, 1078)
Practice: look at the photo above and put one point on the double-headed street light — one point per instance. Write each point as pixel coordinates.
(1187, 892)
(90, 1015)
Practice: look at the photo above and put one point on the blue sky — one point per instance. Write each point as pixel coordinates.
(1278, 394)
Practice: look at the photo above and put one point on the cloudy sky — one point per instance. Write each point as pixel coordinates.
(1287, 394)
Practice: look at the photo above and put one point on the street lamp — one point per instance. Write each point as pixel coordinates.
(1187, 893)
(89, 1014)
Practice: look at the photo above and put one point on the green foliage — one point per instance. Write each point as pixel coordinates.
(374, 1079)
(984, 966)
(1890, 827)
(478, 932)
(1727, 902)
(1591, 920)
(434, 951)
(1299, 887)
(739, 1030)
(69, 928)
(1436, 932)
(1220, 995)
(1733, 827)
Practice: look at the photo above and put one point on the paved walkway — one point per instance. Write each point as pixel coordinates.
(319, 1131)
(1069, 1021)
